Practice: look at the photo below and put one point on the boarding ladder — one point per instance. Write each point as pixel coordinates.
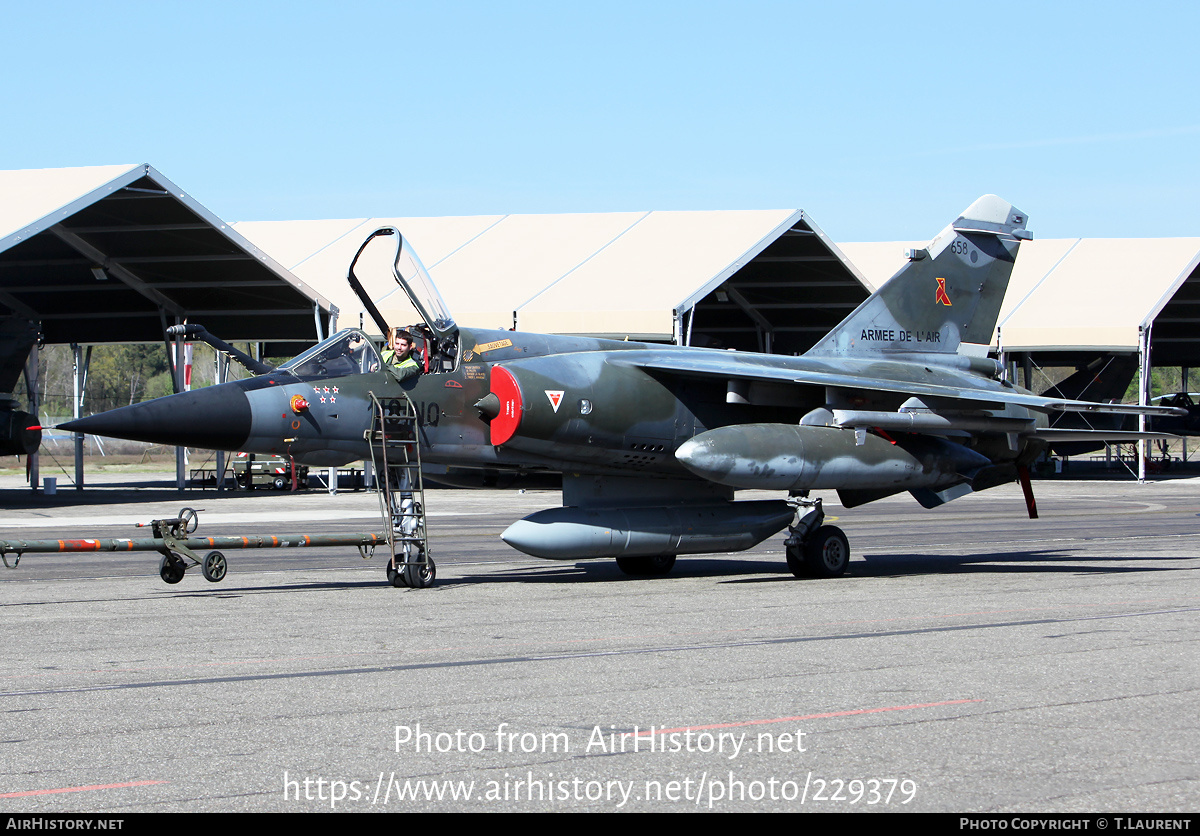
(394, 440)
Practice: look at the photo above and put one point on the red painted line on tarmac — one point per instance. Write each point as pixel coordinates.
(824, 716)
(81, 789)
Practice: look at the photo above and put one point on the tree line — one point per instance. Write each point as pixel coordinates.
(118, 375)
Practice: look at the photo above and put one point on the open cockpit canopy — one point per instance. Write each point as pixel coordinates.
(385, 263)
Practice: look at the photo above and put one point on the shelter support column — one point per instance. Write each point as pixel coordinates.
(222, 375)
(1183, 374)
(180, 452)
(31, 387)
(82, 361)
(1143, 393)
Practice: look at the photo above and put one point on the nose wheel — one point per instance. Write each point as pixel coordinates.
(401, 573)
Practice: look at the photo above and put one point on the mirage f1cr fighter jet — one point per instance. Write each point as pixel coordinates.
(653, 441)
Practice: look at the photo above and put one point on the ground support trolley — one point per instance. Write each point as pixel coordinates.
(181, 551)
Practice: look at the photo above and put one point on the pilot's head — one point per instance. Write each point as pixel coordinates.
(402, 342)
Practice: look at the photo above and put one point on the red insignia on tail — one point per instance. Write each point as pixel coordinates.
(941, 297)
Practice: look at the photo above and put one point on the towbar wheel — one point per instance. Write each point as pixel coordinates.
(214, 567)
(172, 569)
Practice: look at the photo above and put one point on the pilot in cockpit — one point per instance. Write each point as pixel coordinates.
(398, 356)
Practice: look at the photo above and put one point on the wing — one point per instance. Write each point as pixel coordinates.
(916, 379)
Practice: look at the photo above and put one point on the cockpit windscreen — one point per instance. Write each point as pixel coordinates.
(345, 353)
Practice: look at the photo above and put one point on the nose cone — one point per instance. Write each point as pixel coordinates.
(216, 417)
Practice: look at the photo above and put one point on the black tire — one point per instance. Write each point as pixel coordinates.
(172, 569)
(421, 575)
(656, 565)
(827, 552)
(795, 561)
(214, 567)
(396, 578)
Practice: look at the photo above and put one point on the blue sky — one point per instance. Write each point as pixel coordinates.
(881, 120)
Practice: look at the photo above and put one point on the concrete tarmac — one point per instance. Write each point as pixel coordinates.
(971, 660)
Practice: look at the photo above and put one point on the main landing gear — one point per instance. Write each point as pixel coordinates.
(814, 550)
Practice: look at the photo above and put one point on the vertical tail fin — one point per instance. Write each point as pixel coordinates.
(948, 293)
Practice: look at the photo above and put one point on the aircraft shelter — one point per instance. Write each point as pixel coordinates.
(752, 280)
(120, 253)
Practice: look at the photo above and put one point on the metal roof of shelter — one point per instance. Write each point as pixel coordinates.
(1086, 295)
(748, 279)
(112, 253)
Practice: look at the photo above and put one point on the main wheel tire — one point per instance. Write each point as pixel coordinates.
(172, 569)
(214, 567)
(656, 565)
(795, 560)
(827, 552)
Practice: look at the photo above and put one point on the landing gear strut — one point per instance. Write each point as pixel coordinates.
(814, 550)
